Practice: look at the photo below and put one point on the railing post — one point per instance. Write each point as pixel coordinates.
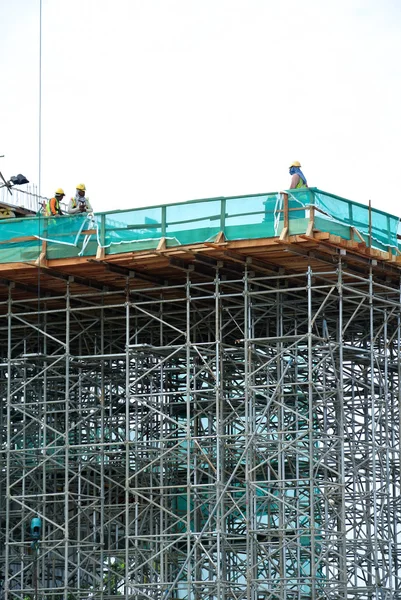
(41, 261)
(286, 215)
(286, 219)
(370, 223)
(390, 249)
(100, 254)
(164, 222)
(223, 214)
(311, 223)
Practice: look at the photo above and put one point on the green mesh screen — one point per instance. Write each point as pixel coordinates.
(132, 225)
(383, 229)
(241, 217)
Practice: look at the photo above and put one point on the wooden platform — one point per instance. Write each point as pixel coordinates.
(164, 267)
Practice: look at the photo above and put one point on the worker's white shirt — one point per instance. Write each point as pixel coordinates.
(77, 209)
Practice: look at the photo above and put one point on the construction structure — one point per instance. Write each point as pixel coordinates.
(201, 401)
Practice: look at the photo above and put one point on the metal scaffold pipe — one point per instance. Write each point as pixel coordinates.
(257, 459)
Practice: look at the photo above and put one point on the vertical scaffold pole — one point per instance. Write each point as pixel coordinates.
(7, 565)
(311, 440)
(67, 442)
(340, 430)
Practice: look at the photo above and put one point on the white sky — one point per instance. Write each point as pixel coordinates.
(154, 101)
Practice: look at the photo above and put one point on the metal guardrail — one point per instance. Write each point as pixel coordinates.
(372, 226)
(252, 216)
(27, 198)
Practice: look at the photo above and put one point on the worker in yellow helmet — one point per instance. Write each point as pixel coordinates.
(79, 203)
(53, 208)
(298, 179)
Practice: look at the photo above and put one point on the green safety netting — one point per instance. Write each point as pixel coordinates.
(380, 226)
(241, 217)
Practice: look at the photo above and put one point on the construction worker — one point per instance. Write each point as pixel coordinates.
(53, 205)
(80, 203)
(298, 179)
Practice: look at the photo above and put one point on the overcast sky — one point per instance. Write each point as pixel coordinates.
(154, 101)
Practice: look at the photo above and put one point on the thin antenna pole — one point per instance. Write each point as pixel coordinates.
(40, 94)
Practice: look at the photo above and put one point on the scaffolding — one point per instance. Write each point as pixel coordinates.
(229, 434)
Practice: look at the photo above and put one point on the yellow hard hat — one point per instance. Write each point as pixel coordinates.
(81, 186)
(59, 192)
(295, 164)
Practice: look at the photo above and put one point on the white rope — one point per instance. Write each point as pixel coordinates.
(278, 207)
(138, 241)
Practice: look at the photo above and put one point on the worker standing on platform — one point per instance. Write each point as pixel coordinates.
(53, 206)
(298, 179)
(80, 203)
